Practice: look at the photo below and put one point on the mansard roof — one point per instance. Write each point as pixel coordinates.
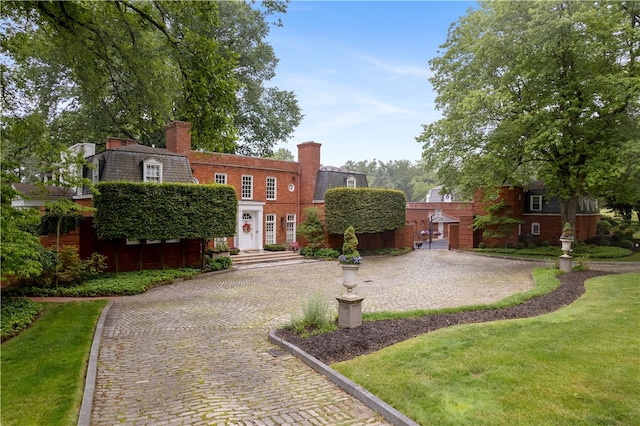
(329, 177)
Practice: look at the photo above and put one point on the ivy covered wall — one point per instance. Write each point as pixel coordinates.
(146, 211)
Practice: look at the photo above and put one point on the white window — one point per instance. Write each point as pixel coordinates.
(535, 228)
(95, 172)
(152, 170)
(221, 178)
(291, 227)
(247, 187)
(536, 202)
(270, 229)
(351, 182)
(271, 188)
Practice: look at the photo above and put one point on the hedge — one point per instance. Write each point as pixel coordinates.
(149, 211)
(368, 210)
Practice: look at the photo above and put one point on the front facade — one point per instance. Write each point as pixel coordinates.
(539, 213)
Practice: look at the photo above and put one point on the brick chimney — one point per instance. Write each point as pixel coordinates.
(178, 136)
(309, 159)
(118, 142)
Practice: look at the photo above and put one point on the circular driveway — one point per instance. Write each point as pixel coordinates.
(196, 352)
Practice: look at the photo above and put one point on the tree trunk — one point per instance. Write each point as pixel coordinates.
(568, 211)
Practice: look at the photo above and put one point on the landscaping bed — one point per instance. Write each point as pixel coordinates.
(348, 343)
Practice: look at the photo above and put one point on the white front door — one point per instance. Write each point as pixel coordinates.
(248, 232)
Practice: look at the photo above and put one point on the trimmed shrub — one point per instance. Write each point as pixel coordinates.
(520, 245)
(274, 247)
(627, 244)
(147, 211)
(368, 210)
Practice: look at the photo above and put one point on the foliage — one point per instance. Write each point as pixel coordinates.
(498, 222)
(121, 284)
(282, 154)
(44, 368)
(537, 89)
(368, 210)
(222, 246)
(311, 228)
(530, 371)
(20, 249)
(88, 70)
(218, 263)
(164, 211)
(17, 314)
(274, 247)
(592, 251)
(350, 252)
(316, 317)
(49, 223)
(411, 178)
(325, 253)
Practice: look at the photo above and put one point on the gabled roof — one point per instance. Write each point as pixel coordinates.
(329, 177)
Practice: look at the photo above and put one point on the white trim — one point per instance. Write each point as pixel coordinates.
(156, 165)
(274, 188)
(249, 179)
(531, 198)
(533, 228)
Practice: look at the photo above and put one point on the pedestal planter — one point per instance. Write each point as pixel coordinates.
(349, 276)
(565, 259)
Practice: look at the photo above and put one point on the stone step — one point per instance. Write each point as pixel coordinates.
(247, 258)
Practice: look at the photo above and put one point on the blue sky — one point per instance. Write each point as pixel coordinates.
(360, 72)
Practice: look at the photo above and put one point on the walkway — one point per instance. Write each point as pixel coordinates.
(196, 352)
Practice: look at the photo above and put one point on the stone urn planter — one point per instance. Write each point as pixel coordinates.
(566, 246)
(349, 276)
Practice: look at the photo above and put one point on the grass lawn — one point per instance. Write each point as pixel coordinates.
(579, 366)
(43, 368)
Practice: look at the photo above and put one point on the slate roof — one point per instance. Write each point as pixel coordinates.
(125, 164)
(333, 177)
(48, 191)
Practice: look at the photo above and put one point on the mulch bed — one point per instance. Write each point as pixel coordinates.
(348, 343)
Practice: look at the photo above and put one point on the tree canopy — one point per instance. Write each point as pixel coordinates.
(537, 90)
(409, 177)
(81, 71)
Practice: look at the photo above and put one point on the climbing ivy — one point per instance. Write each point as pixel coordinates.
(147, 211)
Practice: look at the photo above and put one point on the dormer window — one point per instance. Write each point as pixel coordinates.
(351, 182)
(95, 172)
(152, 170)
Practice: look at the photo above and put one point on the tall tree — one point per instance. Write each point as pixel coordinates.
(88, 70)
(537, 89)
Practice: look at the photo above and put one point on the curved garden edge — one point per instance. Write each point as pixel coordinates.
(348, 343)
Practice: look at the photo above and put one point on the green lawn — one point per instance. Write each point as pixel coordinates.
(43, 368)
(579, 366)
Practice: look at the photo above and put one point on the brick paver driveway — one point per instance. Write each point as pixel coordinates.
(196, 352)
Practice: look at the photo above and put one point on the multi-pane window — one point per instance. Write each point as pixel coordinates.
(221, 178)
(152, 171)
(270, 229)
(271, 188)
(291, 227)
(247, 187)
(536, 202)
(535, 228)
(351, 182)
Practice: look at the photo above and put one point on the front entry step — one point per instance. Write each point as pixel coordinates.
(255, 256)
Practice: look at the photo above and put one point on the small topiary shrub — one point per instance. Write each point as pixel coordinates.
(627, 244)
(482, 245)
(532, 246)
(274, 247)
(604, 243)
(520, 245)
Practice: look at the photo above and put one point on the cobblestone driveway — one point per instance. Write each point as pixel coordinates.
(195, 352)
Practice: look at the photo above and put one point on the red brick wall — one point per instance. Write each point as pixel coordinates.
(454, 235)
(551, 227)
(418, 214)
